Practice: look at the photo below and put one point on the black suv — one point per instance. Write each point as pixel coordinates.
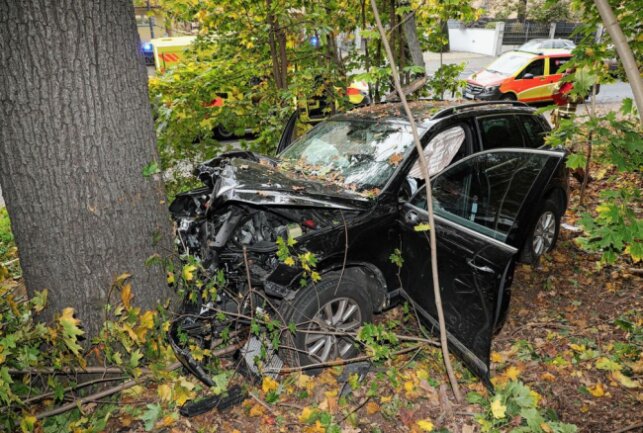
(350, 192)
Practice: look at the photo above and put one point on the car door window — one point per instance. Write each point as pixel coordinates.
(485, 191)
(557, 65)
(445, 147)
(534, 130)
(535, 68)
(499, 131)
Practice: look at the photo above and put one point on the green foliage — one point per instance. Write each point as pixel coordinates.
(446, 80)
(515, 405)
(616, 229)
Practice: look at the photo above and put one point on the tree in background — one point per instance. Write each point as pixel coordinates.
(76, 134)
(269, 57)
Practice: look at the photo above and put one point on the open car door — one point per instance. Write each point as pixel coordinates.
(479, 203)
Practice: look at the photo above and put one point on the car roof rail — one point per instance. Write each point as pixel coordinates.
(452, 110)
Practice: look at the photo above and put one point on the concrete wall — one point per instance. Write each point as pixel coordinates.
(482, 41)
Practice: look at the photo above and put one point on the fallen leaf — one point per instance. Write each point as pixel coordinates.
(498, 409)
(372, 408)
(596, 390)
(625, 381)
(512, 373)
(425, 425)
(269, 384)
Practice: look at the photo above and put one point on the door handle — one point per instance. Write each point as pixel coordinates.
(485, 269)
(412, 217)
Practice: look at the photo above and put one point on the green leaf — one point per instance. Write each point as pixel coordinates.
(151, 416)
(151, 169)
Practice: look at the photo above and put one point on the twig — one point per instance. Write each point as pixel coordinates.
(80, 385)
(337, 362)
(629, 428)
(109, 391)
(425, 172)
(65, 371)
(341, 275)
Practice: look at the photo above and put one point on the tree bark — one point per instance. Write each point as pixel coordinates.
(277, 43)
(76, 131)
(624, 52)
(409, 27)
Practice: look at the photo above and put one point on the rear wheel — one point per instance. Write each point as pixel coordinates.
(321, 313)
(544, 234)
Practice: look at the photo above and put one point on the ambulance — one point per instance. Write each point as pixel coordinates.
(519, 76)
(169, 51)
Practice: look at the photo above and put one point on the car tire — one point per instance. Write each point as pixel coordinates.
(221, 133)
(321, 303)
(543, 234)
(508, 97)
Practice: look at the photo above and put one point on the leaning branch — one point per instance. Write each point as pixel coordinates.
(425, 172)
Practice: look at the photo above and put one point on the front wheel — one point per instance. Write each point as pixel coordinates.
(544, 234)
(508, 97)
(322, 313)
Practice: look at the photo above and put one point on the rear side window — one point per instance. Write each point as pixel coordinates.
(557, 65)
(534, 130)
(499, 131)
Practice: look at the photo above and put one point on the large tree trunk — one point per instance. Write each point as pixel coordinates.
(76, 132)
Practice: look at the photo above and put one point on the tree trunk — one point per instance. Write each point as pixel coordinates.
(521, 10)
(410, 34)
(277, 42)
(76, 132)
(624, 52)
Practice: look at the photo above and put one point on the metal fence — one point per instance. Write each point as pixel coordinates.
(517, 33)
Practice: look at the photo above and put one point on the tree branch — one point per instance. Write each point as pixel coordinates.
(425, 172)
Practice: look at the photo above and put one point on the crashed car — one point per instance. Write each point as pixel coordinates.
(350, 193)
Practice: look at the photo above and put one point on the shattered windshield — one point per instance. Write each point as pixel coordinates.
(359, 154)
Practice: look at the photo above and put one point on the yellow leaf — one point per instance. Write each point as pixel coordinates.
(372, 408)
(512, 373)
(423, 374)
(386, 399)
(164, 391)
(188, 272)
(183, 391)
(121, 278)
(409, 386)
(625, 381)
(28, 423)
(596, 390)
(289, 261)
(256, 410)
(425, 425)
(303, 380)
(578, 348)
(315, 428)
(497, 357)
(269, 384)
(537, 397)
(167, 421)
(126, 295)
(306, 413)
(170, 278)
(147, 319)
(497, 408)
(545, 427)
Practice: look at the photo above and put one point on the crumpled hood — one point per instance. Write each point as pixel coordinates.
(241, 177)
(487, 78)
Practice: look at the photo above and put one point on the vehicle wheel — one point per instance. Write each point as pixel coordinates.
(222, 133)
(330, 306)
(508, 97)
(544, 233)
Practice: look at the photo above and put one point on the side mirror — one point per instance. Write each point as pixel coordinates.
(528, 76)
